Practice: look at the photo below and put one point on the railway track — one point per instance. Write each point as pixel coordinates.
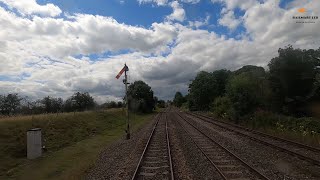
(228, 165)
(304, 152)
(155, 161)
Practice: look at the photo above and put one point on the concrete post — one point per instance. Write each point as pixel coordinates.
(34, 144)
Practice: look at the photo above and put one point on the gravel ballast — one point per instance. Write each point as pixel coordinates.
(273, 163)
(119, 159)
(194, 164)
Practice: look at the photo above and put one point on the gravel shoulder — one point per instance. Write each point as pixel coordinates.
(119, 159)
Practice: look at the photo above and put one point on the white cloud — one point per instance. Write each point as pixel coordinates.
(29, 7)
(45, 49)
(165, 2)
(178, 13)
(190, 1)
(83, 34)
(229, 20)
(197, 24)
(232, 4)
(158, 2)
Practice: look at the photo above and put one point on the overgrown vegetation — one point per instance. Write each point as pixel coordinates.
(280, 97)
(140, 96)
(59, 131)
(178, 99)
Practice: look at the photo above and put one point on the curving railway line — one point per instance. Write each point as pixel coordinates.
(228, 165)
(304, 152)
(155, 161)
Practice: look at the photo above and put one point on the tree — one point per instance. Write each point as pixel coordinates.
(246, 94)
(178, 99)
(112, 104)
(52, 105)
(201, 91)
(221, 78)
(80, 102)
(293, 78)
(155, 99)
(161, 104)
(9, 103)
(206, 87)
(140, 96)
(120, 104)
(252, 70)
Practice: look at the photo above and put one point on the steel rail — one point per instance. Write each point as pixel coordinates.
(145, 149)
(169, 150)
(136, 173)
(207, 157)
(232, 154)
(303, 157)
(315, 149)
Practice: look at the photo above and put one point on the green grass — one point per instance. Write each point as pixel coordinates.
(305, 130)
(73, 141)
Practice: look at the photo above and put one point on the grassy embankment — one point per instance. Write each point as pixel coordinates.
(73, 142)
(305, 130)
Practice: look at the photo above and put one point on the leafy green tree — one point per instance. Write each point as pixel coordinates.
(246, 94)
(52, 105)
(155, 99)
(140, 96)
(161, 104)
(206, 87)
(112, 104)
(119, 104)
(79, 102)
(9, 103)
(178, 99)
(221, 79)
(201, 91)
(293, 78)
(256, 71)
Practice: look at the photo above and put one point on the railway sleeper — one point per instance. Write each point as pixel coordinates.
(162, 175)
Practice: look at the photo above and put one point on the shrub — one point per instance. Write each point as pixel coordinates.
(222, 107)
(303, 126)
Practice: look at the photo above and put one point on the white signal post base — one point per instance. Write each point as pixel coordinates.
(34, 144)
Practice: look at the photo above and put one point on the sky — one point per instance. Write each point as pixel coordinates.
(58, 47)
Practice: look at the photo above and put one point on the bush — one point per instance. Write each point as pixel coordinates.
(245, 93)
(161, 104)
(304, 126)
(222, 107)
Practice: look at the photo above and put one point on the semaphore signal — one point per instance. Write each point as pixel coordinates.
(125, 81)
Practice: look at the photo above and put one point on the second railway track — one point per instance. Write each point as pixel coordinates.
(155, 161)
(227, 164)
(304, 152)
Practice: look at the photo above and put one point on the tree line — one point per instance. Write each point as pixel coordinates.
(291, 82)
(13, 103)
(140, 96)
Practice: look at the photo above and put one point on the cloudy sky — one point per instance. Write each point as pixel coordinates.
(57, 47)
